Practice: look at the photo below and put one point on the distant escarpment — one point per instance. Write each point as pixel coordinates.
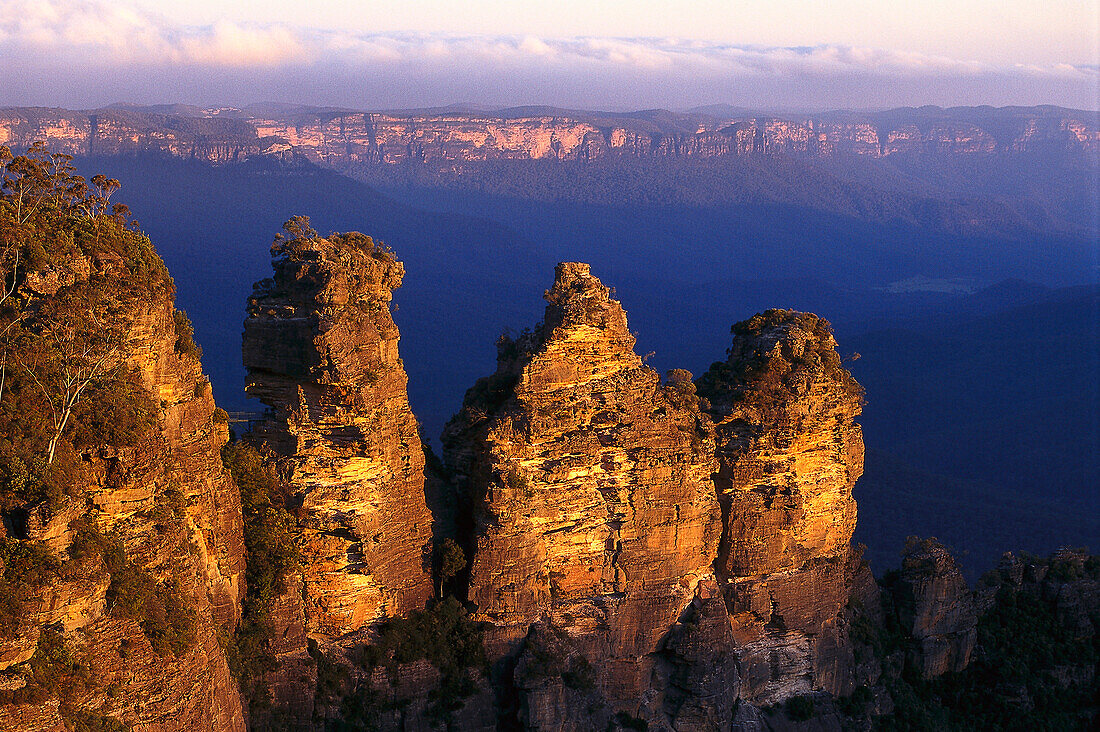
(122, 559)
(342, 138)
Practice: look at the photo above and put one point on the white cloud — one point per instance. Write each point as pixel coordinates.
(132, 48)
(229, 44)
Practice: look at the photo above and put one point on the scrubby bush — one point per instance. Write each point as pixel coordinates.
(185, 335)
(93, 722)
(763, 384)
(450, 560)
(800, 708)
(272, 554)
(445, 636)
(25, 566)
(159, 608)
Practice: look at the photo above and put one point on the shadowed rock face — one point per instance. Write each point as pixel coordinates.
(789, 453)
(321, 351)
(936, 607)
(588, 485)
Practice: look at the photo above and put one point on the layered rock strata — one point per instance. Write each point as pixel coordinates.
(340, 139)
(320, 347)
(166, 501)
(936, 607)
(125, 132)
(589, 491)
(789, 453)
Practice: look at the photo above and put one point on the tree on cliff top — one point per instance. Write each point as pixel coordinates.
(71, 265)
(297, 232)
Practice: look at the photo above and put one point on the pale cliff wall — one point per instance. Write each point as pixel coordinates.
(353, 138)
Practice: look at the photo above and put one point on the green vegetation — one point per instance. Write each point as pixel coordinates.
(73, 270)
(762, 384)
(451, 561)
(298, 233)
(92, 722)
(1021, 675)
(549, 655)
(629, 721)
(55, 672)
(855, 704)
(800, 708)
(272, 555)
(25, 566)
(185, 335)
(444, 636)
(159, 608)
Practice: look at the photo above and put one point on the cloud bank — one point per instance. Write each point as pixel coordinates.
(87, 53)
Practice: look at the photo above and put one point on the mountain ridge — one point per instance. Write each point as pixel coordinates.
(350, 136)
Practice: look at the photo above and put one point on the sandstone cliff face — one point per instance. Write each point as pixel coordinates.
(589, 488)
(379, 138)
(169, 503)
(789, 453)
(321, 351)
(351, 139)
(936, 607)
(114, 132)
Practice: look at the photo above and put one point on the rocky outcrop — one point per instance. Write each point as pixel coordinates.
(789, 453)
(321, 352)
(589, 489)
(936, 607)
(699, 677)
(148, 536)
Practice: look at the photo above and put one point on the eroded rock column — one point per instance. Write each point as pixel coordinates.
(589, 487)
(320, 347)
(789, 453)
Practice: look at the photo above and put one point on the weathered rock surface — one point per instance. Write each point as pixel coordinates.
(700, 675)
(589, 488)
(937, 608)
(789, 453)
(168, 501)
(353, 138)
(321, 351)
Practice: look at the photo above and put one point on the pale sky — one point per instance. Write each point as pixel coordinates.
(777, 54)
(1024, 31)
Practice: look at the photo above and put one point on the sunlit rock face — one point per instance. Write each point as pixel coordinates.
(589, 489)
(168, 502)
(789, 453)
(361, 137)
(346, 139)
(320, 347)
